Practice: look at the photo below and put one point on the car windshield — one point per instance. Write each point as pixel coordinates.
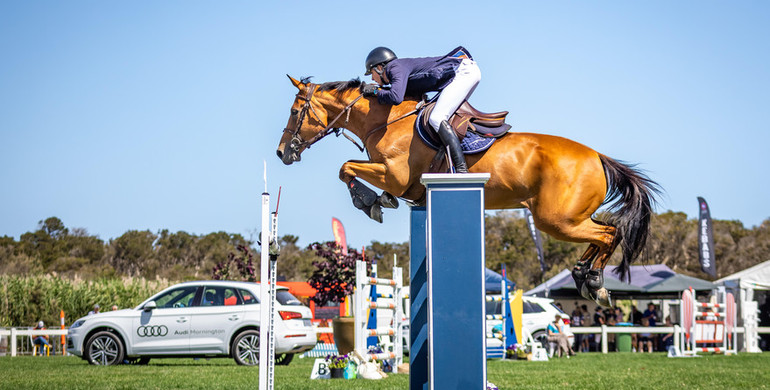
(285, 298)
(532, 307)
(557, 307)
(178, 297)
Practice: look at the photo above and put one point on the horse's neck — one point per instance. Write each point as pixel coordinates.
(365, 115)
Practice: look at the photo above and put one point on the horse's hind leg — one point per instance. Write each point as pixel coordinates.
(588, 272)
(583, 265)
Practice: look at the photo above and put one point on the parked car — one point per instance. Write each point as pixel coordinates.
(193, 319)
(537, 314)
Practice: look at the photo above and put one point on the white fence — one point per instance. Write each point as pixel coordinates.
(16, 333)
(676, 330)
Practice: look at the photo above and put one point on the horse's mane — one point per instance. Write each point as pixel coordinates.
(340, 86)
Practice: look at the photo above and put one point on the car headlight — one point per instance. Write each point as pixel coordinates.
(77, 324)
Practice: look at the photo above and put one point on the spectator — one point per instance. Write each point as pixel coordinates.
(651, 314)
(599, 320)
(95, 310)
(611, 336)
(618, 314)
(556, 335)
(577, 320)
(42, 341)
(114, 307)
(586, 346)
(668, 339)
(652, 317)
(635, 318)
(645, 339)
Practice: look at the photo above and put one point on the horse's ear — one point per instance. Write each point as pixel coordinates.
(294, 81)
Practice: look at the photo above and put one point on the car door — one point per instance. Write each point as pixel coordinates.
(218, 315)
(165, 330)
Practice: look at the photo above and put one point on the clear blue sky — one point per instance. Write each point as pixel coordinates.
(141, 115)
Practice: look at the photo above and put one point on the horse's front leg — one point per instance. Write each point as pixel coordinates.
(364, 198)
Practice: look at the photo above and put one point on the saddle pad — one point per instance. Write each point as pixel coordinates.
(471, 144)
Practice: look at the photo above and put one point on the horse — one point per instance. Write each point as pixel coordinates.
(561, 182)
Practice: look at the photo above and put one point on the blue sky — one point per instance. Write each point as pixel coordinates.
(159, 115)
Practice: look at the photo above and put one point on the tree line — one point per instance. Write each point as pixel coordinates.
(54, 249)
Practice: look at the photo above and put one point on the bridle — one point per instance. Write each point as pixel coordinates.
(297, 143)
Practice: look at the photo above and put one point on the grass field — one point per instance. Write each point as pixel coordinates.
(585, 371)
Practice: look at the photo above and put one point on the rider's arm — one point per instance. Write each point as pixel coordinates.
(398, 76)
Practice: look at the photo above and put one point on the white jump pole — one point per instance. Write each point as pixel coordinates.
(269, 255)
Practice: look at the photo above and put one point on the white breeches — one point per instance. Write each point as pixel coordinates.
(467, 77)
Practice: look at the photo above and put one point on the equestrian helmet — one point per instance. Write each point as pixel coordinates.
(380, 55)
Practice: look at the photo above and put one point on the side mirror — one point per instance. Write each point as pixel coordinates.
(151, 305)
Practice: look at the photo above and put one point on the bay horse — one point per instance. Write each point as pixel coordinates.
(560, 181)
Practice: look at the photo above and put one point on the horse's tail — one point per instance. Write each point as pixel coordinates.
(632, 195)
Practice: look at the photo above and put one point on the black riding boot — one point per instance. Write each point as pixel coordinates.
(449, 138)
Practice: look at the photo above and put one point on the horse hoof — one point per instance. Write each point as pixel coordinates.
(375, 213)
(388, 201)
(585, 292)
(603, 298)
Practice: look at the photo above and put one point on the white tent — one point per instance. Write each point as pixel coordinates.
(756, 277)
(746, 282)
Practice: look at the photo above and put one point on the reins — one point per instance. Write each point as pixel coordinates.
(298, 143)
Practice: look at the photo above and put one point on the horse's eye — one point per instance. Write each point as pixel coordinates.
(294, 111)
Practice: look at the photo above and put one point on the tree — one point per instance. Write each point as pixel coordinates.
(132, 253)
(383, 253)
(239, 266)
(294, 263)
(335, 274)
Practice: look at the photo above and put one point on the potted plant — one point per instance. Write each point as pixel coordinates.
(337, 364)
(334, 279)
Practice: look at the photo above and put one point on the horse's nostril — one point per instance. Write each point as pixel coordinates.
(279, 153)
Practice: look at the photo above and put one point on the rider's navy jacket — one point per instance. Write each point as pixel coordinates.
(416, 76)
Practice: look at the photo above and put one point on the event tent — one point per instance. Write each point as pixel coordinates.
(756, 278)
(647, 281)
(751, 286)
(493, 282)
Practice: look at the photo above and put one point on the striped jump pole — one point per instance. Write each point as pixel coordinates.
(708, 327)
(447, 322)
(366, 323)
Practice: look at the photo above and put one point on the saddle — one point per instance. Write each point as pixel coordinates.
(468, 118)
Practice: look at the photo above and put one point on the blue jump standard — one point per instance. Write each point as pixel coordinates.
(447, 327)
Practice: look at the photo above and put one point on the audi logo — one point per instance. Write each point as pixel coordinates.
(152, 331)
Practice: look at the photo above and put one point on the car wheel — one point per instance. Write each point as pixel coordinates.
(138, 361)
(104, 349)
(284, 359)
(246, 348)
(542, 337)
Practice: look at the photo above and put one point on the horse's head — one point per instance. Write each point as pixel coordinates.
(309, 120)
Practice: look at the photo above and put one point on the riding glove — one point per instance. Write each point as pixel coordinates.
(369, 90)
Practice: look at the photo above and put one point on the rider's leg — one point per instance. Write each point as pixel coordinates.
(467, 77)
(449, 139)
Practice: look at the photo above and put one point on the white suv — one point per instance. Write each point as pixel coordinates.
(537, 314)
(198, 319)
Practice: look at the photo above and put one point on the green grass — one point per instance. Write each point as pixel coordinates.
(585, 371)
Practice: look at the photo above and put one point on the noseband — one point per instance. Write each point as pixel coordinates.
(297, 143)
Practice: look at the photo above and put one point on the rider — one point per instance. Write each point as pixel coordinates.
(456, 75)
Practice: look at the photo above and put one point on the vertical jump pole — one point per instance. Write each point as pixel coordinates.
(451, 342)
(269, 255)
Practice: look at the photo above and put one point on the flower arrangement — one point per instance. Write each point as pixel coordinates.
(517, 351)
(337, 361)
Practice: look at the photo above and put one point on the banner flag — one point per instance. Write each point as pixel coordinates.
(706, 239)
(535, 234)
(339, 235)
